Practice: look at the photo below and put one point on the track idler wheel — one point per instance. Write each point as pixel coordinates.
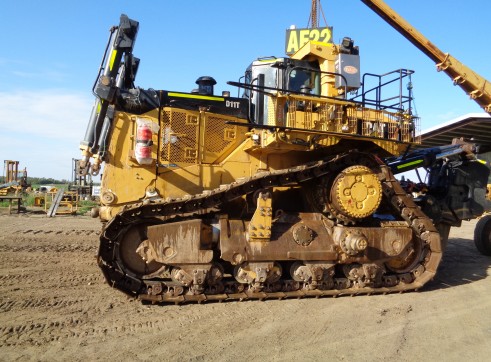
(407, 260)
(128, 253)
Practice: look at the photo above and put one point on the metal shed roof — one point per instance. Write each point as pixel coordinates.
(475, 126)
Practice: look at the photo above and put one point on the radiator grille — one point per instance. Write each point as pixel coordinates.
(181, 141)
(179, 137)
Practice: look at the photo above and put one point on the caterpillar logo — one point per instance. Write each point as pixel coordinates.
(295, 38)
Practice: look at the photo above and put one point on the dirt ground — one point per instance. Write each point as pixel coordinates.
(55, 305)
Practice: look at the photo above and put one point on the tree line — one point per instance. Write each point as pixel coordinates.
(40, 181)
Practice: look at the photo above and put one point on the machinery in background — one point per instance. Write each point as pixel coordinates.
(82, 182)
(61, 202)
(57, 201)
(15, 181)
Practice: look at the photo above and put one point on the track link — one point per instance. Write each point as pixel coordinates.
(118, 277)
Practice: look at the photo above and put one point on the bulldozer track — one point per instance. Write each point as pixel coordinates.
(423, 228)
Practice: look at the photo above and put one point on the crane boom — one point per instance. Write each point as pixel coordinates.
(476, 86)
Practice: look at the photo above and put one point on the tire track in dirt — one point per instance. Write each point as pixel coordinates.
(49, 248)
(70, 327)
(37, 280)
(52, 304)
(57, 232)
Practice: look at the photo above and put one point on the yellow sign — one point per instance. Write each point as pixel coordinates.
(295, 38)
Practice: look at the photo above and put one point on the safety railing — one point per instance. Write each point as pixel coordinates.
(332, 115)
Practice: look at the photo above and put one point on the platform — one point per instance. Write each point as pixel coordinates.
(11, 199)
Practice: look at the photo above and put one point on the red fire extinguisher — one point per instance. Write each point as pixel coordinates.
(143, 146)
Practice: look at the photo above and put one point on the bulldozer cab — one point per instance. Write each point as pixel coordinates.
(320, 88)
(268, 76)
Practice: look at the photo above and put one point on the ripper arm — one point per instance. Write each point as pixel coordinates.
(115, 73)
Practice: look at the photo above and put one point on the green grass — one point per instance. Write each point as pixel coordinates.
(28, 199)
(85, 206)
(23, 202)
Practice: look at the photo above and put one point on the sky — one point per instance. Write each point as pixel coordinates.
(50, 52)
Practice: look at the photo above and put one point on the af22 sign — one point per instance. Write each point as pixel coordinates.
(295, 38)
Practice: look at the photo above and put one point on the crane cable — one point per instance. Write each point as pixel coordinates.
(314, 14)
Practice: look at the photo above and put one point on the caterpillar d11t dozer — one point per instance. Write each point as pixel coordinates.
(285, 191)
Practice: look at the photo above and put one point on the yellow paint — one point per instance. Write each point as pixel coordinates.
(195, 151)
(114, 53)
(195, 96)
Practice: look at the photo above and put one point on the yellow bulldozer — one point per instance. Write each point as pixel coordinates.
(285, 191)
